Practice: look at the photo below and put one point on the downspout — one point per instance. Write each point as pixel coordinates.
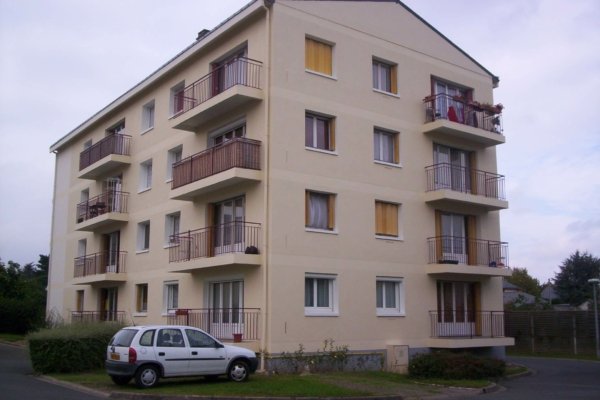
(267, 4)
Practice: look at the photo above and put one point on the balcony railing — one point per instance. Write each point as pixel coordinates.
(241, 71)
(113, 144)
(456, 109)
(462, 250)
(100, 263)
(465, 180)
(240, 153)
(107, 202)
(466, 324)
(222, 323)
(232, 237)
(97, 316)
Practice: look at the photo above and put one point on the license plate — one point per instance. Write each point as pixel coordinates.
(115, 356)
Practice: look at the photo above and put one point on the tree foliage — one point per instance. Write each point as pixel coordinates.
(571, 282)
(528, 283)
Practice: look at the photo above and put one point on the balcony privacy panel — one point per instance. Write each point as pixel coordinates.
(462, 250)
(465, 180)
(100, 263)
(113, 144)
(107, 202)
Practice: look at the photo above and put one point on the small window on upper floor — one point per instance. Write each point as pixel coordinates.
(143, 236)
(87, 144)
(174, 155)
(145, 176)
(389, 297)
(171, 226)
(319, 56)
(148, 116)
(176, 98)
(385, 76)
(320, 211)
(118, 129)
(319, 132)
(386, 146)
(387, 220)
(141, 299)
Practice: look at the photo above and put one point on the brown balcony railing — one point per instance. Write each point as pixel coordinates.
(222, 323)
(107, 202)
(465, 180)
(113, 144)
(241, 71)
(462, 250)
(100, 263)
(97, 316)
(239, 152)
(232, 237)
(466, 324)
(457, 109)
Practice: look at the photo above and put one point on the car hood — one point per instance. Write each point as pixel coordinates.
(239, 351)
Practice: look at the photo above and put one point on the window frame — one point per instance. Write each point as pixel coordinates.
(174, 110)
(148, 116)
(141, 298)
(168, 297)
(391, 72)
(143, 237)
(332, 310)
(174, 155)
(399, 309)
(378, 135)
(145, 178)
(331, 220)
(380, 235)
(330, 126)
(320, 43)
(172, 226)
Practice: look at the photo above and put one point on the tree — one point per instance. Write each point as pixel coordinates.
(571, 283)
(522, 279)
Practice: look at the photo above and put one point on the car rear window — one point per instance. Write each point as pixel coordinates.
(123, 338)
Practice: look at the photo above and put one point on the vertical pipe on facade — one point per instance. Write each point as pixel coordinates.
(266, 212)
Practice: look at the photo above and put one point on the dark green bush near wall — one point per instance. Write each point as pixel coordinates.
(447, 365)
(70, 348)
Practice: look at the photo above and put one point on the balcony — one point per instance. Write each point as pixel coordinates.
(103, 267)
(221, 323)
(234, 243)
(454, 256)
(98, 316)
(231, 163)
(449, 184)
(462, 328)
(223, 90)
(102, 211)
(111, 152)
(455, 118)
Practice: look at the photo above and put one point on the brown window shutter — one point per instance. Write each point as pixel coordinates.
(394, 78)
(330, 211)
(332, 134)
(318, 56)
(471, 242)
(397, 148)
(379, 218)
(310, 54)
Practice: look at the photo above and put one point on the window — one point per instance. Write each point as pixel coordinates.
(171, 297)
(173, 156)
(87, 144)
(386, 148)
(79, 300)
(320, 211)
(238, 131)
(118, 129)
(147, 338)
(319, 132)
(141, 303)
(143, 239)
(318, 56)
(148, 116)
(389, 297)
(145, 175)
(171, 226)
(386, 219)
(320, 295)
(199, 339)
(384, 77)
(176, 98)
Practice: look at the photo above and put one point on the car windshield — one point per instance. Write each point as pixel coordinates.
(123, 338)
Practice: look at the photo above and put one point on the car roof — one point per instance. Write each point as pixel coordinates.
(160, 327)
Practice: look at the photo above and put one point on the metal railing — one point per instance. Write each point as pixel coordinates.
(98, 316)
(457, 109)
(100, 263)
(466, 324)
(465, 180)
(107, 202)
(239, 152)
(113, 144)
(232, 237)
(462, 250)
(222, 323)
(241, 71)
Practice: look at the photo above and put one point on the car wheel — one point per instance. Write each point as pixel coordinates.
(146, 376)
(120, 380)
(238, 371)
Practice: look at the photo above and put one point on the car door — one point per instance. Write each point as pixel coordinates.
(172, 352)
(207, 355)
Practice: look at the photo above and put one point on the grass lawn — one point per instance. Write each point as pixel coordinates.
(11, 337)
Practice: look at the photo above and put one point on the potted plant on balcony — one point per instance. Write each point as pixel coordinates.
(237, 337)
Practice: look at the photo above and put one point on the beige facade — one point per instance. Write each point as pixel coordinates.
(318, 194)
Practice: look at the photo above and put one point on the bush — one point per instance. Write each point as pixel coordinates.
(447, 365)
(70, 348)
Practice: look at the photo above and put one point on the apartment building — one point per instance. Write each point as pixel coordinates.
(306, 170)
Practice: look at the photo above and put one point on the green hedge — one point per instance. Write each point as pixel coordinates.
(70, 348)
(447, 365)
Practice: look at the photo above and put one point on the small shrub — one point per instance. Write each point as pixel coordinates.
(70, 348)
(447, 365)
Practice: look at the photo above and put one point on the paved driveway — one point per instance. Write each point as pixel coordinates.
(553, 379)
(17, 383)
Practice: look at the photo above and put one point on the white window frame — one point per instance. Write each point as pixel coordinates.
(174, 90)
(148, 116)
(138, 288)
(398, 310)
(330, 197)
(315, 116)
(143, 237)
(174, 155)
(169, 294)
(332, 310)
(378, 135)
(145, 176)
(172, 226)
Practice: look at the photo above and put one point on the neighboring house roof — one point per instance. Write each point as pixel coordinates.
(207, 37)
(525, 298)
(506, 285)
(549, 293)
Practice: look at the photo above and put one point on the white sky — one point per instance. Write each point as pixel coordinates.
(63, 60)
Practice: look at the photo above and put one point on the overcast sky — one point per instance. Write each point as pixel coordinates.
(63, 60)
